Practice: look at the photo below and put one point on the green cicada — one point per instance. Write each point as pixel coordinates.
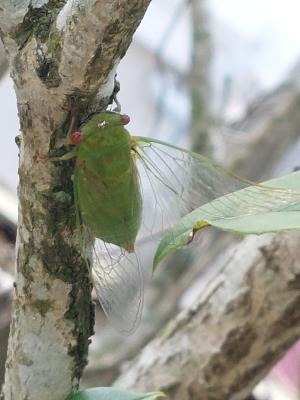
(127, 187)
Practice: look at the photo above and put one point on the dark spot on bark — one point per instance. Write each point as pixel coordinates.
(288, 318)
(25, 267)
(294, 283)
(239, 343)
(48, 72)
(84, 326)
(42, 306)
(25, 116)
(236, 347)
(37, 22)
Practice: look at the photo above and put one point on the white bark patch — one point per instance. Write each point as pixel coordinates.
(64, 15)
(70, 8)
(38, 3)
(107, 88)
(35, 375)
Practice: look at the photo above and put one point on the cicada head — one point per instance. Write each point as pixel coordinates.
(105, 126)
(110, 119)
(104, 132)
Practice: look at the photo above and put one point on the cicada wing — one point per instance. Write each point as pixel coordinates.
(118, 283)
(177, 181)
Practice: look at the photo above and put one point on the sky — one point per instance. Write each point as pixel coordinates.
(271, 26)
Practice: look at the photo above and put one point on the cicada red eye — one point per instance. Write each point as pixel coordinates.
(76, 137)
(125, 119)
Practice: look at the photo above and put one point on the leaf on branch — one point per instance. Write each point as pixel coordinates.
(272, 206)
(109, 393)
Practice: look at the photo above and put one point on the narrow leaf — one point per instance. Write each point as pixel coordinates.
(109, 393)
(272, 206)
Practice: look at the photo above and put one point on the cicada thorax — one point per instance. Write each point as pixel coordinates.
(107, 183)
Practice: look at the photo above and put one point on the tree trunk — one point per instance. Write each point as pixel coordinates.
(63, 58)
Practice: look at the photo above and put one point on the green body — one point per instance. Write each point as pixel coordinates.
(107, 183)
(198, 191)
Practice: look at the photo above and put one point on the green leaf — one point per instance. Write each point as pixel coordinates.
(272, 206)
(109, 393)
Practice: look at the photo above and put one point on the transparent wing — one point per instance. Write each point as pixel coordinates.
(117, 277)
(176, 181)
(118, 283)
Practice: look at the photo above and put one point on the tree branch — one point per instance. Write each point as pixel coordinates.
(228, 340)
(263, 128)
(60, 54)
(200, 89)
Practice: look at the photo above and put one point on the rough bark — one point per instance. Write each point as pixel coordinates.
(63, 57)
(237, 329)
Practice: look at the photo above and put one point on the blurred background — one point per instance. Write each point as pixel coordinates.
(220, 77)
